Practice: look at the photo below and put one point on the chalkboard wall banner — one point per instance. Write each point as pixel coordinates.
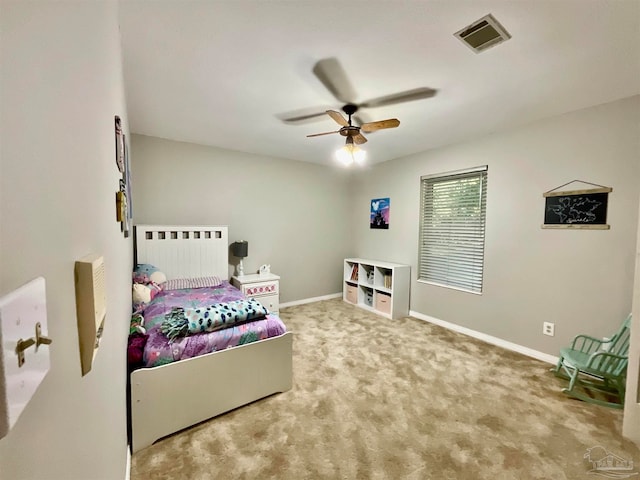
(578, 192)
(577, 209)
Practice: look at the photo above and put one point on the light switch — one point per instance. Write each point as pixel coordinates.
(20, 313)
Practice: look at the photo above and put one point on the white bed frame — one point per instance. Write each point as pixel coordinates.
(171, 397)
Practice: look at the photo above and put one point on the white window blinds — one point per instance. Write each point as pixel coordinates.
(452, 229)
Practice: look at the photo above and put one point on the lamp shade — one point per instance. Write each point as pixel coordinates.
(240, 249)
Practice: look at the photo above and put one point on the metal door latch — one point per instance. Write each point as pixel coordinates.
(23, 345)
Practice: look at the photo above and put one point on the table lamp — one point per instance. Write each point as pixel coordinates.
(240, 249)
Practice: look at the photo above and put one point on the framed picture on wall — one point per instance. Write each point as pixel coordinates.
(126, 181)
(121, 209)
(119, 144)
(379, 217)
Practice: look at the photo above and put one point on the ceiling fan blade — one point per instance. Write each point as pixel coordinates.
(337, 116)
(409, 95)
(330, 73)
(302, 118)
(325, 133)
(359, 139)
(373, 126)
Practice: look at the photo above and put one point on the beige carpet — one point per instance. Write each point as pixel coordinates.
(379, 399)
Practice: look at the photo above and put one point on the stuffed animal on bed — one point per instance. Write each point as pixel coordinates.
(146, 273)
(137, 340)
(143, 294)
(137, 324)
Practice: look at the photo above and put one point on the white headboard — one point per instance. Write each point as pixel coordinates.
(184, 251)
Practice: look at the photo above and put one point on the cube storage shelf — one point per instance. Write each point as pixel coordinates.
(380, 287)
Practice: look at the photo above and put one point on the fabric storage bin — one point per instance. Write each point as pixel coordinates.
(383, 302)
(352, 294)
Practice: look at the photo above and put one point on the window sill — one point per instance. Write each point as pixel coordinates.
(449, 286)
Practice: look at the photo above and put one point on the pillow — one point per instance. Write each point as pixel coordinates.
(145, 273)
(200, 282)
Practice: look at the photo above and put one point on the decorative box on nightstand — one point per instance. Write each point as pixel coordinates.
(263, 287)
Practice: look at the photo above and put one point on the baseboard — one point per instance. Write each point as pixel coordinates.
(529, 352)
(310, 300)
(127, 473)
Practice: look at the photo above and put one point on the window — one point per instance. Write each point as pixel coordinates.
(452, 226)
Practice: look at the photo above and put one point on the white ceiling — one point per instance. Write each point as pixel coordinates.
(223, 73)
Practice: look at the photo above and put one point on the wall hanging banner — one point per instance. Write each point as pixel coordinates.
(579, 209)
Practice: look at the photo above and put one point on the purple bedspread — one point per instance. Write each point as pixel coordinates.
(158, 350)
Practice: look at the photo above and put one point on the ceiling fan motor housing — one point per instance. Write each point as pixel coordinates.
(349, 131)
(350, 109)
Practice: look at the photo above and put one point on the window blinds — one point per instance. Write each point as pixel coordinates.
(452, 229)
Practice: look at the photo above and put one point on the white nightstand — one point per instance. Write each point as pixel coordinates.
(265, 288)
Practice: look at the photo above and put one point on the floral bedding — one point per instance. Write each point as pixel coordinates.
(160, 351)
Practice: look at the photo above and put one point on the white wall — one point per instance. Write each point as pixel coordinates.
(581, 280)
(61, 87)
(293, 214)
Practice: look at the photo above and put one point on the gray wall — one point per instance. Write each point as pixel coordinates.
(291, 213)
(631, 423)
(581, 280)
(61, 87)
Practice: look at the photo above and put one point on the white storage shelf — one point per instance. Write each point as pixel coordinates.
(380, 287)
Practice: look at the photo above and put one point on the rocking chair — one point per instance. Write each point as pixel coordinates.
(596, 365)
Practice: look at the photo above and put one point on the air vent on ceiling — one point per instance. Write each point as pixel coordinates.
(483, 33)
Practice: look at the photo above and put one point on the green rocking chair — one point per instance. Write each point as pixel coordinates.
(596, 365)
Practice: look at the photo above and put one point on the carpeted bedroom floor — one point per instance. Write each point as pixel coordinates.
(379, 399)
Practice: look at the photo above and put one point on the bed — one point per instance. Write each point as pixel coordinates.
(170, 397)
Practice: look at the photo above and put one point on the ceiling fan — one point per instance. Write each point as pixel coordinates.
(352, 132)
(333, 77)
(351, 153)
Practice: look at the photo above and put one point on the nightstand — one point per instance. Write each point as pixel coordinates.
(265, 288)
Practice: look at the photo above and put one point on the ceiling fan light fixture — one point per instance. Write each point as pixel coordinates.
(350, 154)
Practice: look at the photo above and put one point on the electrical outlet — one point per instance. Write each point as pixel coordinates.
(548, 328)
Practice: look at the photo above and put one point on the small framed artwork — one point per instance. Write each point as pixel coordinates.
(124, 211)
(125, 187)
(122, 202)
(121, 208)
(119, 144)
(379, 217)
(127, 179)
